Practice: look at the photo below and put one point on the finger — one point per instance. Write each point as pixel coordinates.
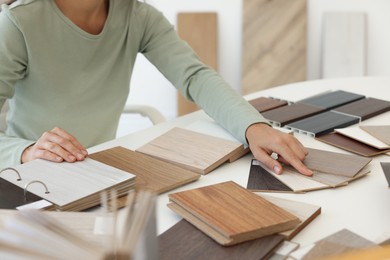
(47, 155)
(66, 142)
(268, 161)
(297, 164)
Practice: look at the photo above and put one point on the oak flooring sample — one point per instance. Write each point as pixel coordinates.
(151, 173)
(386, 171)
(360, 135)
(263, 104)
(340, 242)
(332, 99)
(287, 114)
(231, 214)
(350, 144)
(195, 151)
(382, 132)
(365, 108)
(323, 123)
(304, 211)
(185, 241)
(335, 163)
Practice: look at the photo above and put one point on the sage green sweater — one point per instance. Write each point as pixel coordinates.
(56, 74)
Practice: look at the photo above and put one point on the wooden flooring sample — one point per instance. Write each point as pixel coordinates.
(332, 99)
(304, 211)
(382, 132)
(360, 135)
(350, 144)
(322, 123)
(231, 214)
(335, 163)
(198, 152)
(263, 104)
(151, 173)
(185, 241)
(365, 108)
(386, 171)
(287, 114)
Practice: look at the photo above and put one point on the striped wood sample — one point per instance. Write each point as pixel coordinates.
(274, 43)
(360, 135)
(151, 173)
(231, 214)
(198, 152)
(332, 99)
(185, 241)
(365, 108)
(200, 31)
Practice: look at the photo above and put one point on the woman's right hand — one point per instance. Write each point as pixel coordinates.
(55, 145)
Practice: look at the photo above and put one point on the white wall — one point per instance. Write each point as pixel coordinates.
(149, 87)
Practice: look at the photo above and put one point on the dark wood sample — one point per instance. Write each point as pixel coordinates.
(263, 104)
(365, 108)
(323, 123)
(287, 114)
(151, 173)
(349, 144)
(185, 241)
(219, 211)
(261, 180)
(12, 196)
(332, 99)
(386, 171)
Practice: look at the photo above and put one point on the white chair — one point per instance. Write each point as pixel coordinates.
(145, 110)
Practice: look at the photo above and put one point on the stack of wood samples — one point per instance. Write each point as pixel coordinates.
(218, 210)
(195, 151)
(362, 140)
(151, 174)
(330, 170)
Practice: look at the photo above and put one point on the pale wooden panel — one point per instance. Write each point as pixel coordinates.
(274, 43)
(344, 45)
(199, 30)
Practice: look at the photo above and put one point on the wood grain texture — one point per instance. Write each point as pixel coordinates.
(195, 151)
(382, 132)
(200, 31)
(365, 108)
(332, 99)
(304, 211)
(274, 43)
(185, 241)
(151, 174)
(386, 171)
(350, 144)
(335, 163)
(322, 123)
(263, 104)
(286, 114)
(219, 211)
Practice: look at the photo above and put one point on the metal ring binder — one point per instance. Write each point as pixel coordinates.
(31, 182)
(12, 169)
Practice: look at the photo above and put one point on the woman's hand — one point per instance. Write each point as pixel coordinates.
(56, 145)
(264, 140)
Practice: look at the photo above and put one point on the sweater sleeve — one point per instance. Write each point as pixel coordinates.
(13, 64)
(180, 65)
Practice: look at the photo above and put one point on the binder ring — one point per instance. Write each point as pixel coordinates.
(31, 182)
(12, 169)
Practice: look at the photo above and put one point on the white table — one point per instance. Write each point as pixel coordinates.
(362, 207)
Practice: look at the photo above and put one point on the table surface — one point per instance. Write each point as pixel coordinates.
(362, 207)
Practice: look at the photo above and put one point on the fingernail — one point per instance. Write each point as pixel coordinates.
(71, 158)
(59, 159)
(84, 152)
(276, 169)
(80, 156)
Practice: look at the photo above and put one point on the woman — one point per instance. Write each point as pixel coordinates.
(65, 66)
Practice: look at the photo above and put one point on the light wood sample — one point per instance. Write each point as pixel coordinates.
(382, 132)
(200, 31)
(198, 152)
(151, 174)
(231, 214)
(274, 43)
(361, 135)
